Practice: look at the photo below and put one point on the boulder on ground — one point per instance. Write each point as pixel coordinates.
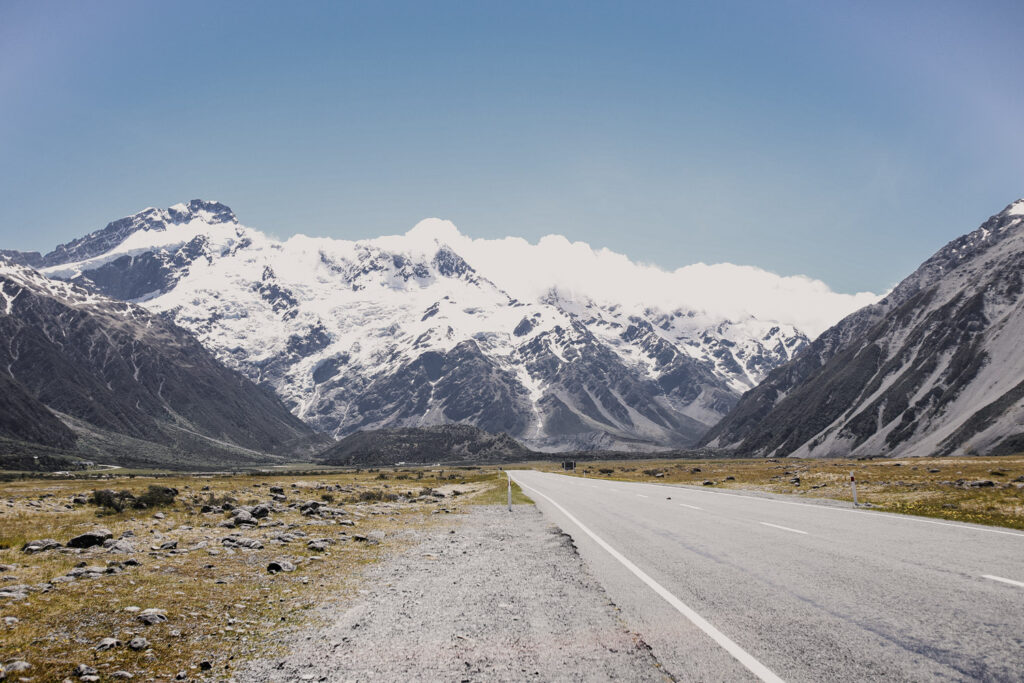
(87, 540)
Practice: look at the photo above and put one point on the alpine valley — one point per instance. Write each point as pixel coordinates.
(405, 331)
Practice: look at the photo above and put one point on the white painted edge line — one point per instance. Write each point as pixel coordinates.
(1001, 579)
(741, 655)
(784, 528)
(640, 495)
(692, 507)
(891, 515)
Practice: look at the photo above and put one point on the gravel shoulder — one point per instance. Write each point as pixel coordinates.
(493, 595)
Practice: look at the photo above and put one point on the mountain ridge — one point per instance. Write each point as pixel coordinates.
(930, 369)
(351, 335)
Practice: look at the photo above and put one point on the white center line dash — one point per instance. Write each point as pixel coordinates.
(640, 495)
(692, 507)
(784, 528)
(1002, 580)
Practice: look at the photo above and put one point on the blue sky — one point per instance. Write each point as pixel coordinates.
(845, 141)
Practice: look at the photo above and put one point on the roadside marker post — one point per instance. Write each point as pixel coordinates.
(853, 486)
(509, 491)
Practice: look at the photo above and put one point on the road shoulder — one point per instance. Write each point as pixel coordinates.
(495, 595)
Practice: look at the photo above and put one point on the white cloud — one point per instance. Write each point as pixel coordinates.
(527, 271)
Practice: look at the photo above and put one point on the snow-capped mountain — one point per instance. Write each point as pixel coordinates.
(405, 331)
(87, 374)
(936, 367)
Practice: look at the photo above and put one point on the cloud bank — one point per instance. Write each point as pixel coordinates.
(528, 271)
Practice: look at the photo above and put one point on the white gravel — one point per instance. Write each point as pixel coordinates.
(497, 596)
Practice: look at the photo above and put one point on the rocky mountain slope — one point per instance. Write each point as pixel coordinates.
(403, 331)
(446, 444)
(934, 368)
(84, 373)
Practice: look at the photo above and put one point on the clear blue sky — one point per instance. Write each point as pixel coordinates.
(846, 141)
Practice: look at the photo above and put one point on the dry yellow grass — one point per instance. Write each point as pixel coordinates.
(934, 487)
(222, 604)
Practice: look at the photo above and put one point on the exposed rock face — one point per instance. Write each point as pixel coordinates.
(74, 362)
(404, 332)
(445, 444)
(934, 368)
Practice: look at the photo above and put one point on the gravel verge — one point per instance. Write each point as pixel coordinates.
(494, 596)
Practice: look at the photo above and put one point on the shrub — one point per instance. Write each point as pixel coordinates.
(605, 470)
(327, 497)
(110, 500)
(156, 496)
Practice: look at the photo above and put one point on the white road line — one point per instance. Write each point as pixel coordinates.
(999, 578)
(640, 495)
(891, 515)
(692, 507)
(784, 528)
(741, 655)
(616, 490)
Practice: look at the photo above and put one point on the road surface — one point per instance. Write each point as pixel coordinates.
(726, 586)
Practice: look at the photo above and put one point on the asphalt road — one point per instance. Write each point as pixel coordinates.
(725, 586)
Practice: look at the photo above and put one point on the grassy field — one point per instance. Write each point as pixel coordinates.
(984, 490)
(221, 603)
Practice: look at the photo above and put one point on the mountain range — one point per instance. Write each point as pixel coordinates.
(403, 331)
(185, 331)
(934, 368)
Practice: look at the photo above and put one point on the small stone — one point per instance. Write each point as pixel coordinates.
(708, 482)
(205, 666)
(84, 670)
(317, 546)
(138, 643)
(40, 545)
(17, 666)
(123, 675)
(280, 566)
(108, 644)
(152, 616)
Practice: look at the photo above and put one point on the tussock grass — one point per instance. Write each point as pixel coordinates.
(222, 604)
(933, 487)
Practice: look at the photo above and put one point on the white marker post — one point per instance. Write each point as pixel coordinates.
(509, 491)
(853, 487)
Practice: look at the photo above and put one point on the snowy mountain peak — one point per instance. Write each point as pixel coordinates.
(432, 327)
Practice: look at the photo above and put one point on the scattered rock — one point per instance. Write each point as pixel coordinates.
(205, 666)
(17, 666)
(120, 546)
(982, 483)
(240, 517)
(317, 546)
(280, 566)
(90, 538)
(123, 675)
(152, 616)
(260, 511)
(235, 541)
(159, 515)
(138, 643)
(108, 644)
(84, 670)
(40, 545)
(708, 482)
(11, 622)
